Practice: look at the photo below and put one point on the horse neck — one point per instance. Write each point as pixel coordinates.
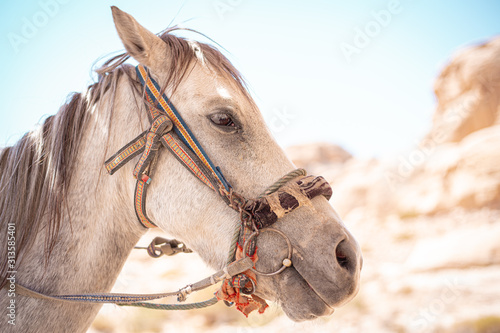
(99, 227)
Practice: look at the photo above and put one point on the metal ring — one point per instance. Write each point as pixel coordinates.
(286, 261)
(249, 291)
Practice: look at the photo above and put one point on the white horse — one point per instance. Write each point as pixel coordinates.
(73, 225)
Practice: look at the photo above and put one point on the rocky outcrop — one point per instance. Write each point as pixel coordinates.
(313, 155)
(460, 156)
(462, 248)
(468, 94)
(457, 164)
(464, 174)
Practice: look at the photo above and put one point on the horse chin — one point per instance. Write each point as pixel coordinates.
(297, 298)
(306, 305)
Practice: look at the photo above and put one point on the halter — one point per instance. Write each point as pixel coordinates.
(169, 130)
(164, 117)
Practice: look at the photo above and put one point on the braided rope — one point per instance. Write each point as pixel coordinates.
(188, 306)
(234, 243)
(282, 181)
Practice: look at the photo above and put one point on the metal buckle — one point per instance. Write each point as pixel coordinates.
(287, 262)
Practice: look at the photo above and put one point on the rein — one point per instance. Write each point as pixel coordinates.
(238, 277)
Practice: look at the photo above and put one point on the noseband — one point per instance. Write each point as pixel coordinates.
(170, 131)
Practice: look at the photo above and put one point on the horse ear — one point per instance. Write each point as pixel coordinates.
(143, 45)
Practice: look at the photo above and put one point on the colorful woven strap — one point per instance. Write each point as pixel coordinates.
(183, 155)
(128, 152)
(182, 144)
(141, 188)
(162, 103)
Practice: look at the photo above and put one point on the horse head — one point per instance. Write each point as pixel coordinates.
(213, 100)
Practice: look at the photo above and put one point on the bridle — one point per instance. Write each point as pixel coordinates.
(170, 131)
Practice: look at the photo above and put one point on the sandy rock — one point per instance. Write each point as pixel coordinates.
(310, 155)
(468, 94)
(465, 175)
(362, 183)
(457, 164)
(464, 248)
(476, 181)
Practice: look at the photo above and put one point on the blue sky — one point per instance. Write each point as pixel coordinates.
(359, 74)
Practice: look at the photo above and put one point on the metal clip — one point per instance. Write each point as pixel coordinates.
(184, 292)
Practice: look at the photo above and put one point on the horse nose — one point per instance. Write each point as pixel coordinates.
(348, 255)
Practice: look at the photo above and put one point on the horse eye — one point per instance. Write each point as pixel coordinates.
(222, 119)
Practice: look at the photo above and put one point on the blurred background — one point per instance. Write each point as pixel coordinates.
(397, 105)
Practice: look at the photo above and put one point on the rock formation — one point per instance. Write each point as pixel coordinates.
(457, 164)
(468, 94)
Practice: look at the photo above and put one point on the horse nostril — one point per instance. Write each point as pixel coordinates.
(341, 256)
(347, 255)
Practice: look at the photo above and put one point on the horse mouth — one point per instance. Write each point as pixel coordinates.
(298, 298)
(305, 293)
(316, 293)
